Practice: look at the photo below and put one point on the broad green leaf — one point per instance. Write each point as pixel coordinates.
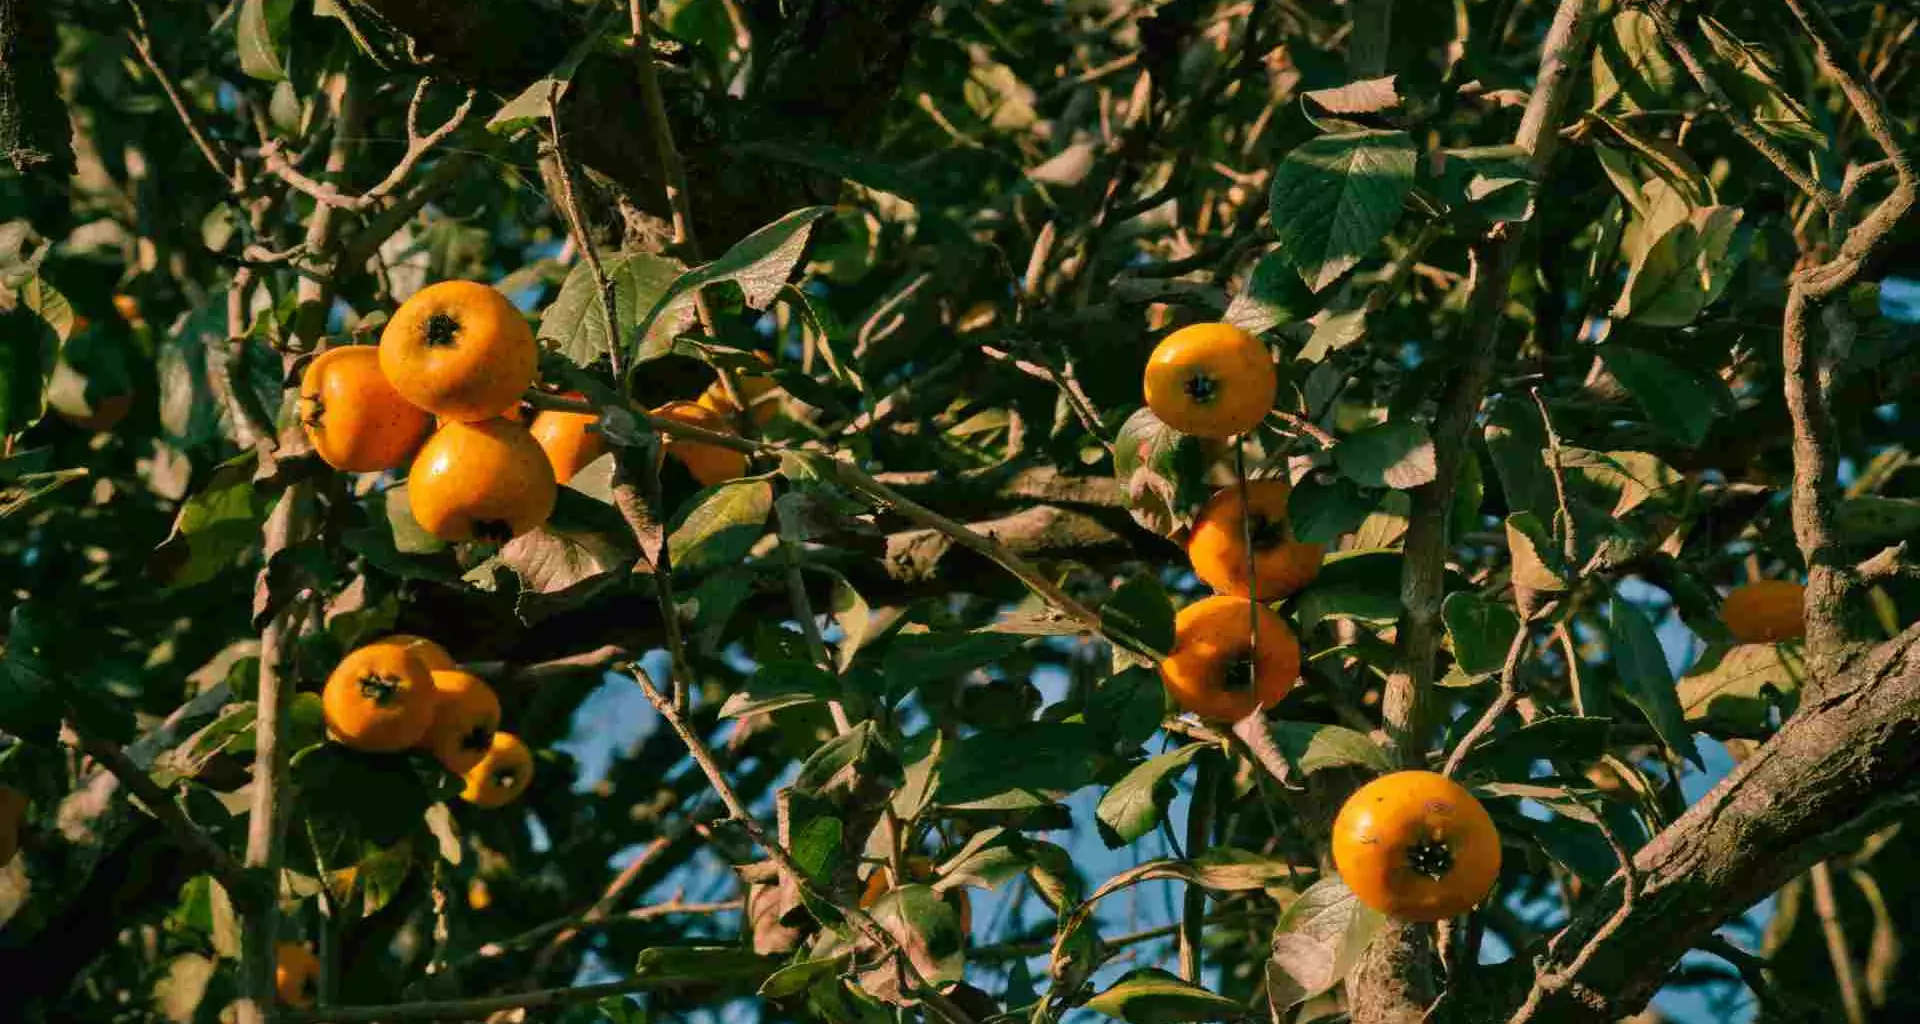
(1370, 96)
(27, 363)
(1643, 670)
(574, 325)
(1874, 519)
(261, 33)
(1335, 197)
(216, 527)
(1128, 706)
(723, 525)
(1572, 738)
(1538, 564)
(1021, 767)
(1359, 585)
(1273, 296)
(845, 761)
(1736, 692)
(1628, 479)
(1631, 69)
(1315, 746)
(911, 660)
(1139, 609)
(550, 561)
(794, 979)
(1673, 399)
(1325, 507)
(1149, 995)
(760, 264)
(532, 104)
(1319, 939)
(1486, 185)
(1684, 270)
(781, 684)
(1392, 454)
(1135, 805)
(1754, 84)
(927, 929)
(1161, 471)
(1481, 632)
(1333, 332)
(730, 966)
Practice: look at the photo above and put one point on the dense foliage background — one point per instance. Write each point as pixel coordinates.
(1586, 313)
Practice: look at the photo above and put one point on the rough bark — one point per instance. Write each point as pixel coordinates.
(34, 133)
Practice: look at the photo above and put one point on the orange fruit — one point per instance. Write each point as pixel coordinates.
(296, 972)
(1217, 547)
(501, 774)
(710, 464)
(487, 480)
(379, 699)
(1416, 846)
(758, 390)
(1211, 380)
(353, 418)
(459, 350)
(1766, 611)
(433, 656)
(466, 714)
(1215, 670)
(569, 438)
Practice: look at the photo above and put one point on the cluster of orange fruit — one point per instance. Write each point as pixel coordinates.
(1231, 652)
(1414, 845)
(443, 391)
(406, 693)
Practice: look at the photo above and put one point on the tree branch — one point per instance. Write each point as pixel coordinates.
(191, 837)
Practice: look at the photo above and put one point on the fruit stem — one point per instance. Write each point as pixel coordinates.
(442, 331)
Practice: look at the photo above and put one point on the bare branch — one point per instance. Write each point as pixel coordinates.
(1845, 971)
(223, 162)
(280, 166)
(191, 837)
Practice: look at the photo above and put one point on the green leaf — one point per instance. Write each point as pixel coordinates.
(1052, 758)
(1324, 507)
(1335, 197)
(781, 684)
(1734, 693)
(1128, 706)
(1161, 471)
(1319, 939)
(927, 929)
(574, 325)
(1642, 665)
(1273, 296)
(1673, 399)
(1396, 454)
(1334, 332)
(261, 33)
(1631, 70)
(1537, 563)
(1481, 632)
(911, 660)
(1359, 585)
(1873, 519)
(723, 526)
(794, 979)
(992, 856)
(1313, 747)
(1136, 804)
(1684, 270)
(845, 761)
(27, 363)
(1369, 96)
(1755, 86)
(1486, 185)
(216, 527)
(1149, 995)
(760, 264)
(1627, 480)
(1139, 608)
(532, 104)
(705, 966)
(1562, 737)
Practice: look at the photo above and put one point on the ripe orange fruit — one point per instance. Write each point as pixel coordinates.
(354, 419)
(296, 972)
(466, 714)
(1416, 846)
(487, 480)
(710, 464)
(479, 897)
(1214, 670)
(432, 656)
(129, 309)
(758, 390)
(378, 699)
(13, 809)
(569, 438)
(1766, 611)
(920, 869)
(1218, 550)
(501, 774)
(460, 350)
(1211, 380)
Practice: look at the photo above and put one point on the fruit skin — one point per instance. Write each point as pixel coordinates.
(13, 808)
(1207, 671)
(460, 350)
(568, 438)
(379, 699)
(432, 656)
(501, 775)
(295, 972)
(1766, 611)
(487, 480)
(466, 714)
(1217, 546)
(757, 390)
(920, 869)
(353, 418)
(1211, 380)
(710, 464)
(1396, 820)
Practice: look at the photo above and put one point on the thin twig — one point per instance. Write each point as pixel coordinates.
(737, 810)
(1509, 694)
(191, 837)
(274, 158)
(1570, 541)
(672, 170)
(222, 162)
(789, 535)
(1547, 980)
(570, 207)
(1846, 973)
(484, 1006)
(1200, 812)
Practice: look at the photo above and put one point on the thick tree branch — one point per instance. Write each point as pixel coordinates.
(191, 837)
(1840, 767)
